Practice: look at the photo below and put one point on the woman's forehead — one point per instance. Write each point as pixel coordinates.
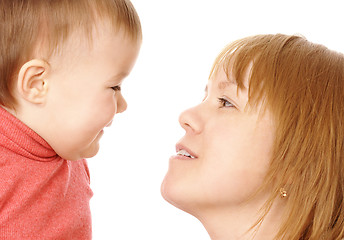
(225, 75)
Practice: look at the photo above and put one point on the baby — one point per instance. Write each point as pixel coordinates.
(62, 64)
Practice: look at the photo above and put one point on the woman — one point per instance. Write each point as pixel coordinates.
(263, 154)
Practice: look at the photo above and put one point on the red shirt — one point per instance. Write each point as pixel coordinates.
(42, 196)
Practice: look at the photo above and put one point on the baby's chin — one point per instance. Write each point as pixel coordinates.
(93, 148)
(88, 152)
(91, 152)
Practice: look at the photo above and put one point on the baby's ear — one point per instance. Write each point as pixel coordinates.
(32, 84)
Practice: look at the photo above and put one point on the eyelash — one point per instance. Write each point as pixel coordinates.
(223, 103)
(116, 88)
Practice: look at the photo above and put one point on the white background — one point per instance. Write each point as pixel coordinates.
(181, 41)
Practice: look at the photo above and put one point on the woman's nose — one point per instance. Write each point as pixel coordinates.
(191, 120)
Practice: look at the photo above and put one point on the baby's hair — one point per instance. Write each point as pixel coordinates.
(28, 26)
(302, 85)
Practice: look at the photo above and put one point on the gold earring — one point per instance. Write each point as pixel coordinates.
(283, 193)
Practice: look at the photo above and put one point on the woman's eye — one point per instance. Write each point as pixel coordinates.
(116, 88)
(225, 103)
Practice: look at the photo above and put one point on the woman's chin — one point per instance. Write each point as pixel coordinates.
(176, 195)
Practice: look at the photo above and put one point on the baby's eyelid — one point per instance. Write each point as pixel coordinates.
(116, 88)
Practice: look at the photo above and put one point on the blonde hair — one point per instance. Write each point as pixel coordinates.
(302, 84)
(26, 24)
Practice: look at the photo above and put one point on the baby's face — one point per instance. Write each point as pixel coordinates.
(225, 153)
(84, 92)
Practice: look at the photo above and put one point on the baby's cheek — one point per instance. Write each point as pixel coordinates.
(110, 112)
(106, 116)
(106, 107)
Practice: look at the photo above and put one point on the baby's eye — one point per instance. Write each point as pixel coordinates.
(116, 88)
(225, 103)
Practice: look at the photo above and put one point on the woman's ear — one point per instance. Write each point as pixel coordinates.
(32, 83)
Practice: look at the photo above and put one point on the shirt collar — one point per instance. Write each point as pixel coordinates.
(20, 139)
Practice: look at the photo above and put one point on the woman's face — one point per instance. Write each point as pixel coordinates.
(225, 153)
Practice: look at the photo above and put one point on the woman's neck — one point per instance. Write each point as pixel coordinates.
(239, 222)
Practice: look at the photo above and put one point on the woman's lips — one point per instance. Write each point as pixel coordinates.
(184, 153)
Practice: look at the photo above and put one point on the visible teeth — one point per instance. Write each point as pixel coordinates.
(184, 153)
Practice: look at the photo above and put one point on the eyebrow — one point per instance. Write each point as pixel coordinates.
(223, 84)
